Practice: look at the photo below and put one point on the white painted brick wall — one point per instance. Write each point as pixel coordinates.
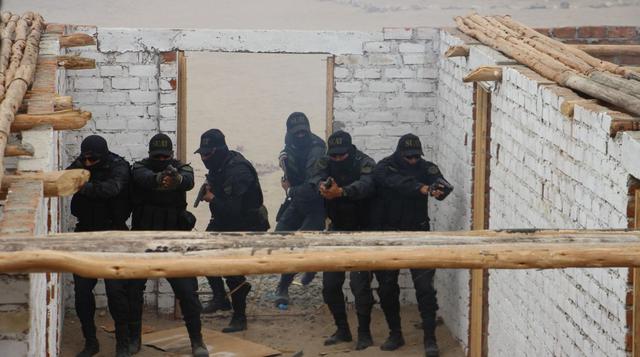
(564, 312)
(567, 311)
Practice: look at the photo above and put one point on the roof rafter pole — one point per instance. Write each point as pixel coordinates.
(172, 254)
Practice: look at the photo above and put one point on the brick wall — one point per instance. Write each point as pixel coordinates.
(599, 35)
(547, 171)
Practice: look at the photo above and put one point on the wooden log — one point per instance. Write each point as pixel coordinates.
(623, 123)
(60, 103)
(63, 120)
(124, 255)
(485, 73)
(457, 51)
(613, 81)
(56, 183)
(609, 50)
(568, 105)
(23, 149)
(76, 39)
(76, 62)
(550, 68)
(18, 87)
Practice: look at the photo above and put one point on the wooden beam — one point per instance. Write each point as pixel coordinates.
(56, 183)
(125, 254)
(63, 120)
(19, 150)
(182, 107)
(485, 73)
(623, 122)
(58, 103)
(635, 328)
(457, 51)
(329, 96)
(566, 108)
(479, 289)
(609, 50)
(76, 39)
(76, 62)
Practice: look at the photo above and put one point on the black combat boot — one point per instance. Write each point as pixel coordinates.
(364, 333)
(122, 340)
(430, 345)
(239, 303)
(393, 342)
(343, 333)
(91, 347)
(215, 305)
(198, 348)
(282, 294)
(135, 337)
(219, 301)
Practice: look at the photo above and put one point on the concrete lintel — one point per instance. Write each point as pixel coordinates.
(263, 41)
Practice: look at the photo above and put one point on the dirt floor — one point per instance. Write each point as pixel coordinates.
(288, 331)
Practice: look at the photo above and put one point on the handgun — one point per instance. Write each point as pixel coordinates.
(201, 192)
(443, 185)
(327, 184)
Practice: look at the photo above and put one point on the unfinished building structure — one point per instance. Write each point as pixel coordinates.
(521, 150)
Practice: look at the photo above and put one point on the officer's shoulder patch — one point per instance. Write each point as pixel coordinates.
(137, 165)
(228, 189)
(367, 167)
(323, 163)
(186, 168)
(433, 170)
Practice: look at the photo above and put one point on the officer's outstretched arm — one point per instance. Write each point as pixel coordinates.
(365, 185)
(143, 177)
(388, 176)
(110, 187)
(187, 183)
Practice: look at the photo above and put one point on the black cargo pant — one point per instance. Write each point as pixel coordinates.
(124, 298)
(425, 296)
(388, 292)
(238, 294)
(296, 218)
(334, 297)
(186, 291)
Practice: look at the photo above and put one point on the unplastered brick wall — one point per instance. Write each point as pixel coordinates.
(547, 171)
(625, 35)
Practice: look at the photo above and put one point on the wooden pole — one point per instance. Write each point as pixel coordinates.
(63, 120)
(76, 39)
(56, 183)
(19, 150)
(76, 62)
(331, 61)
(635, 328)
(182, 107)
(457, 51)
(124, 254)
(609, 50)
(17, 88)
(479, 289)
(485, 73)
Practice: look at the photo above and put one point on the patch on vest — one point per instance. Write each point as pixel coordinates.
(228, 189)
(433, 170)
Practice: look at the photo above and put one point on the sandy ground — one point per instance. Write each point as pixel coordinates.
(287, 331)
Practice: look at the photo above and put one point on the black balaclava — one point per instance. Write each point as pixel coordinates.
(298, 122)
(408, 145)
(215, 161)
(95, 146)
(347, 163)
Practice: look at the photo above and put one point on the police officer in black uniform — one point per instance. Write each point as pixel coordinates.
(303, 208)
(236, 203)
(344, 179)
(405, 181)
(160, 185)
(102, 204)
